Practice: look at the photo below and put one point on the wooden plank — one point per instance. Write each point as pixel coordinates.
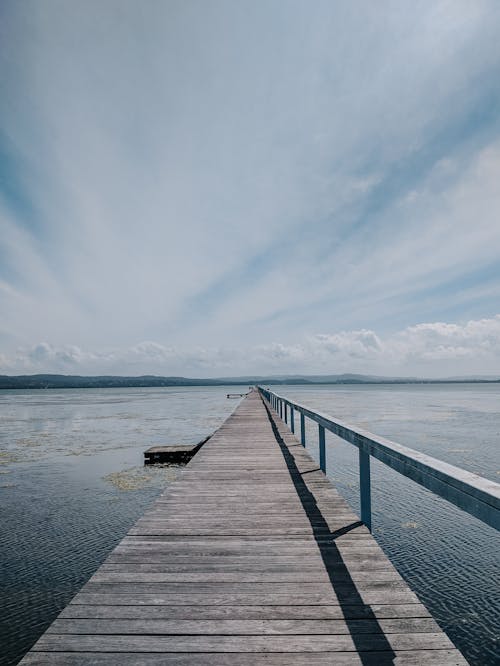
(296, 598)
(380, 658)
(178, 627)
(290, 612)
(253, 542)
(315, 587)
(261, 643)
(160, 561)
(297, 576)
(203, 567)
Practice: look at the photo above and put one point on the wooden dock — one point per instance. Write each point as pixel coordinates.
(250, 557)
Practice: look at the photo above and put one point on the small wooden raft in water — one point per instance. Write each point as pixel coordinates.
(251, 557)
(170, 454)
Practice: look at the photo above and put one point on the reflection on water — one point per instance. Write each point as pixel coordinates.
(73, 482)
(449, 558)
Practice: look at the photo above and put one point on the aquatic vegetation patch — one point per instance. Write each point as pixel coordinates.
(29, 442)
(135, 478)
(7, 457)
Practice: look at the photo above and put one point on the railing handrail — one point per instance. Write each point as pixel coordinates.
(470, 492)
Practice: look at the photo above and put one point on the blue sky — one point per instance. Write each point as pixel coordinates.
(216, 188)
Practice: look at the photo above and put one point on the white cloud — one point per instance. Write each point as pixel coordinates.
(439, 341)
(358, 344)
(428, 349)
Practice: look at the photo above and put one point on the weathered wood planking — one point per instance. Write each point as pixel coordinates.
(250, 557)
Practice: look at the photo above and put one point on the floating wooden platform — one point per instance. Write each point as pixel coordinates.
(250, 557)
(171, 454)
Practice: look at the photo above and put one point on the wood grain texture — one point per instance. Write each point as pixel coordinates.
(401, 658)
(249, 557)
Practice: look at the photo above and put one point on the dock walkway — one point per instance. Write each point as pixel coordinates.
(250, 557)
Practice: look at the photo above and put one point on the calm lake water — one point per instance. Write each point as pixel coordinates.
(72, 483)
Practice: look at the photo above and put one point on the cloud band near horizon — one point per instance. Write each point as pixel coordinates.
(437, 349)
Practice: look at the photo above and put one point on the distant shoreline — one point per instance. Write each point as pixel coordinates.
(46, 381)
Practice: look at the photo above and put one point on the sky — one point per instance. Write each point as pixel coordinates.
(215, 188)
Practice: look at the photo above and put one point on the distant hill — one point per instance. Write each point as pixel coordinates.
(100, 381)
(48, 381)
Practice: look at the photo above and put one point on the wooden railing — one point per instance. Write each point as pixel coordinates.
(474, 494)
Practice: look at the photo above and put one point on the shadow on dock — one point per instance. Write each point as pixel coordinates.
(346, 590)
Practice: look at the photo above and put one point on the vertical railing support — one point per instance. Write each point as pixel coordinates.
(365, 488)
(292, 419)
(286, 413)
(322, 451)
(302, 429)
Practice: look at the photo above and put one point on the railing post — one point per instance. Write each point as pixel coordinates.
(322, 452)
(365, 488)
(292, 419)
(302, 429)
(281, 409)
